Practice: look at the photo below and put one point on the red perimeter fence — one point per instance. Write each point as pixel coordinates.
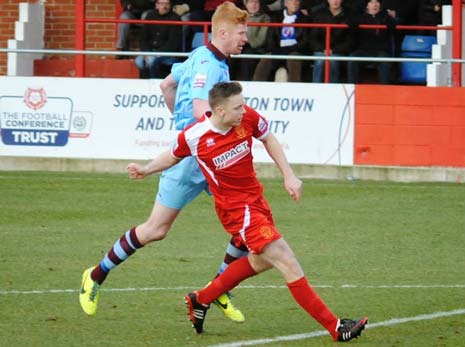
(456, 29)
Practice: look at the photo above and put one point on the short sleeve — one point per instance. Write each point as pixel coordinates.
(177, 70)
(207, 73)
(261, 127)
(180, 148)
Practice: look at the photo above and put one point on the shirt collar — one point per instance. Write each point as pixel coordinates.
(216, 51)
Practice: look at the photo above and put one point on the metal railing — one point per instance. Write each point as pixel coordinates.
(456, 30)
(454, 64)
(449, 62)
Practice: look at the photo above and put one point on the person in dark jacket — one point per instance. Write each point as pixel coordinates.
(430, 13)
(354, 7)
(272, 7)
(184, 8)
(132, 9)
(206, 12)
(243, 69)
(159, 38)
(285, 40)
(404, 12)
(372, 42)
(187, 10)
(333, 13)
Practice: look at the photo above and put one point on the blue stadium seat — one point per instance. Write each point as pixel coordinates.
(197, 40)
(415, 46)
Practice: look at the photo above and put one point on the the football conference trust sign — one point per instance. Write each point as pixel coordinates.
(35, 119)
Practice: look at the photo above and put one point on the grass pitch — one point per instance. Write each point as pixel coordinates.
(392, 251)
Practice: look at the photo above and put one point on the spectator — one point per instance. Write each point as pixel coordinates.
(430, 13)
(272, 6)
(307, 6)
(372, 42)
(354, 7)
(184, 9)
(404, 12)
(209, 7)
(286, 40)
(333, 13)
(243, 69)
(132, 9)
(410, 11)
(205, 14)
(311, 6)
(159, 38)
(396, 9)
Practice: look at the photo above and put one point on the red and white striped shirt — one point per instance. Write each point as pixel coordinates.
(225, 157)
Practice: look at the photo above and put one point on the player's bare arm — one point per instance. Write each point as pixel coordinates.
(199, 107)
(292, 183)
(164, 161)
(168, 88)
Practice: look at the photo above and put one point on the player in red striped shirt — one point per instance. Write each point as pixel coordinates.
(221, 141)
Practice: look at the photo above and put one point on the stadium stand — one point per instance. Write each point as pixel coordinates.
(60, 30)
(415, 46)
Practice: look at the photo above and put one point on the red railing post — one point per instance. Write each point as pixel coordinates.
(118, 11)
(327, 52)
(80, 37)
(456, 42)
(205, 34)
(81, 20)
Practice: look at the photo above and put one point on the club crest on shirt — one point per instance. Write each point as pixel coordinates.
(240, 131)
(200, 80)
(266, 232)
(288, 32)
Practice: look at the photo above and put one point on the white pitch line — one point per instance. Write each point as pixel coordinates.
(319, 333)
(155, 289)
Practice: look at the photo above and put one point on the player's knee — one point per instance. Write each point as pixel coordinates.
(150, 233)
(158, 234)
(258, 263)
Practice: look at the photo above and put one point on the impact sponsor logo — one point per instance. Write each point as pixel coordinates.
(231, 156)
(36, 119)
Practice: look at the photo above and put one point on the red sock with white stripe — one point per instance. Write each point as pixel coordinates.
(234, 274)
(309, 300)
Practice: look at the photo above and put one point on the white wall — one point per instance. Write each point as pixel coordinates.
(127, 119)
(29, 34)
(439, 74)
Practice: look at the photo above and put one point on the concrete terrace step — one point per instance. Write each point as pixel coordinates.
(351, 173)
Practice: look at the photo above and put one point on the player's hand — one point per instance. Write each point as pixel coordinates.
(392, 13)
(181, 9)
(293, 186)
(135, 172)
